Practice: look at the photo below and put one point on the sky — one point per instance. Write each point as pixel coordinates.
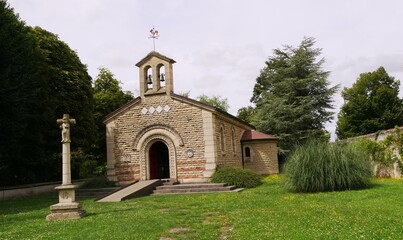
(220, 46)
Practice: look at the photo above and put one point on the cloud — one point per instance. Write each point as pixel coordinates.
(221, 46)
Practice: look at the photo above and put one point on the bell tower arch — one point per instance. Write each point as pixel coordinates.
(156, 76)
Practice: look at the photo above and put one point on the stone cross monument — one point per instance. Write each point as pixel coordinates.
(67, 208)
(65, 127)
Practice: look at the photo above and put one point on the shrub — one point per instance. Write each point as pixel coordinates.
(240, 178)
(320, 167)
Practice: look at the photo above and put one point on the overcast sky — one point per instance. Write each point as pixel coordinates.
(220, 46)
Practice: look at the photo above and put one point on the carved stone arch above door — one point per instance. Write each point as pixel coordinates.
(144, 155)
(156, 129)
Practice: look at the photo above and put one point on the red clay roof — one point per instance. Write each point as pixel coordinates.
(255, 135)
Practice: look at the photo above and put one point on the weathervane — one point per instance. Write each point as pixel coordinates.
(154, 35)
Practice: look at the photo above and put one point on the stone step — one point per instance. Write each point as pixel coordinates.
(192, 186)
(194, 190)
(169, 181)
(95, 192)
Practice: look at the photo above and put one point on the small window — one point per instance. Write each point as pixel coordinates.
(247, 152)
(222, 139)
(233, 139)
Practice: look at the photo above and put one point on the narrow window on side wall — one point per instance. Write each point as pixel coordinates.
(247, 154)
(222, 139)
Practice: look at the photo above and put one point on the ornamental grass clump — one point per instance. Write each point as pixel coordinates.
(321, 167)
(238, 177)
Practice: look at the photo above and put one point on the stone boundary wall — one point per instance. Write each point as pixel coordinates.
(8, 193)
(378, 136)
(394, 170)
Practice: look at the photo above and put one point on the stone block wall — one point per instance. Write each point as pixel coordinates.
(231, 155)
(166, 112)
(263, 158)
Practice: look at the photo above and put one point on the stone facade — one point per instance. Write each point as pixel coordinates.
(263, 157)
(228, 136)
(193, 137)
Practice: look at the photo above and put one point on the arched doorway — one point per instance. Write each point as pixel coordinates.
(159, 160)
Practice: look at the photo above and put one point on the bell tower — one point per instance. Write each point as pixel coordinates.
(156, 75)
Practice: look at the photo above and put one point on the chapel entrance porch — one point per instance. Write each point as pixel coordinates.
(159, 161)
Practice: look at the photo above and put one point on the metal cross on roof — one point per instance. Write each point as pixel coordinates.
(154, 35)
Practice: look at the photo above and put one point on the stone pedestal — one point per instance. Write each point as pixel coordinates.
(67, 208)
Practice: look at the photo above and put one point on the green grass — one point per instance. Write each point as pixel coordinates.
(266, 212)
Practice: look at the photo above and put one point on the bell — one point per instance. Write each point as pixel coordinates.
(149, 80)
(162, 77)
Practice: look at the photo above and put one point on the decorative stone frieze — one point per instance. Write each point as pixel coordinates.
(156, 129)
(155, 110)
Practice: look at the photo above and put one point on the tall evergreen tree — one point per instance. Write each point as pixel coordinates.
(292, 95)
(371, 104)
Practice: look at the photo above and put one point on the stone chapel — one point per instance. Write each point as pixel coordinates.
(162, 135)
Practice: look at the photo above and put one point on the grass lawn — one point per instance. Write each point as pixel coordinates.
(266, 212)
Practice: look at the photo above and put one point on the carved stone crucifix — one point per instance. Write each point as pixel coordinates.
(65, 126)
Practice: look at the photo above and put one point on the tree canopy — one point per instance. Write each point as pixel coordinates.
(41, 78)
(108, 96)
(292, 95)
(246, 114)
(371, 104)
(215, 101)
(21, 94)
(69, 86)
(68, 90)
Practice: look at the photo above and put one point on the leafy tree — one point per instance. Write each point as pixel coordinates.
(371, 104)
(21, 108)
(68, 90)
(292, 95)
(215, 101)
(108, 96)
(40, 79)
(246, 114)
